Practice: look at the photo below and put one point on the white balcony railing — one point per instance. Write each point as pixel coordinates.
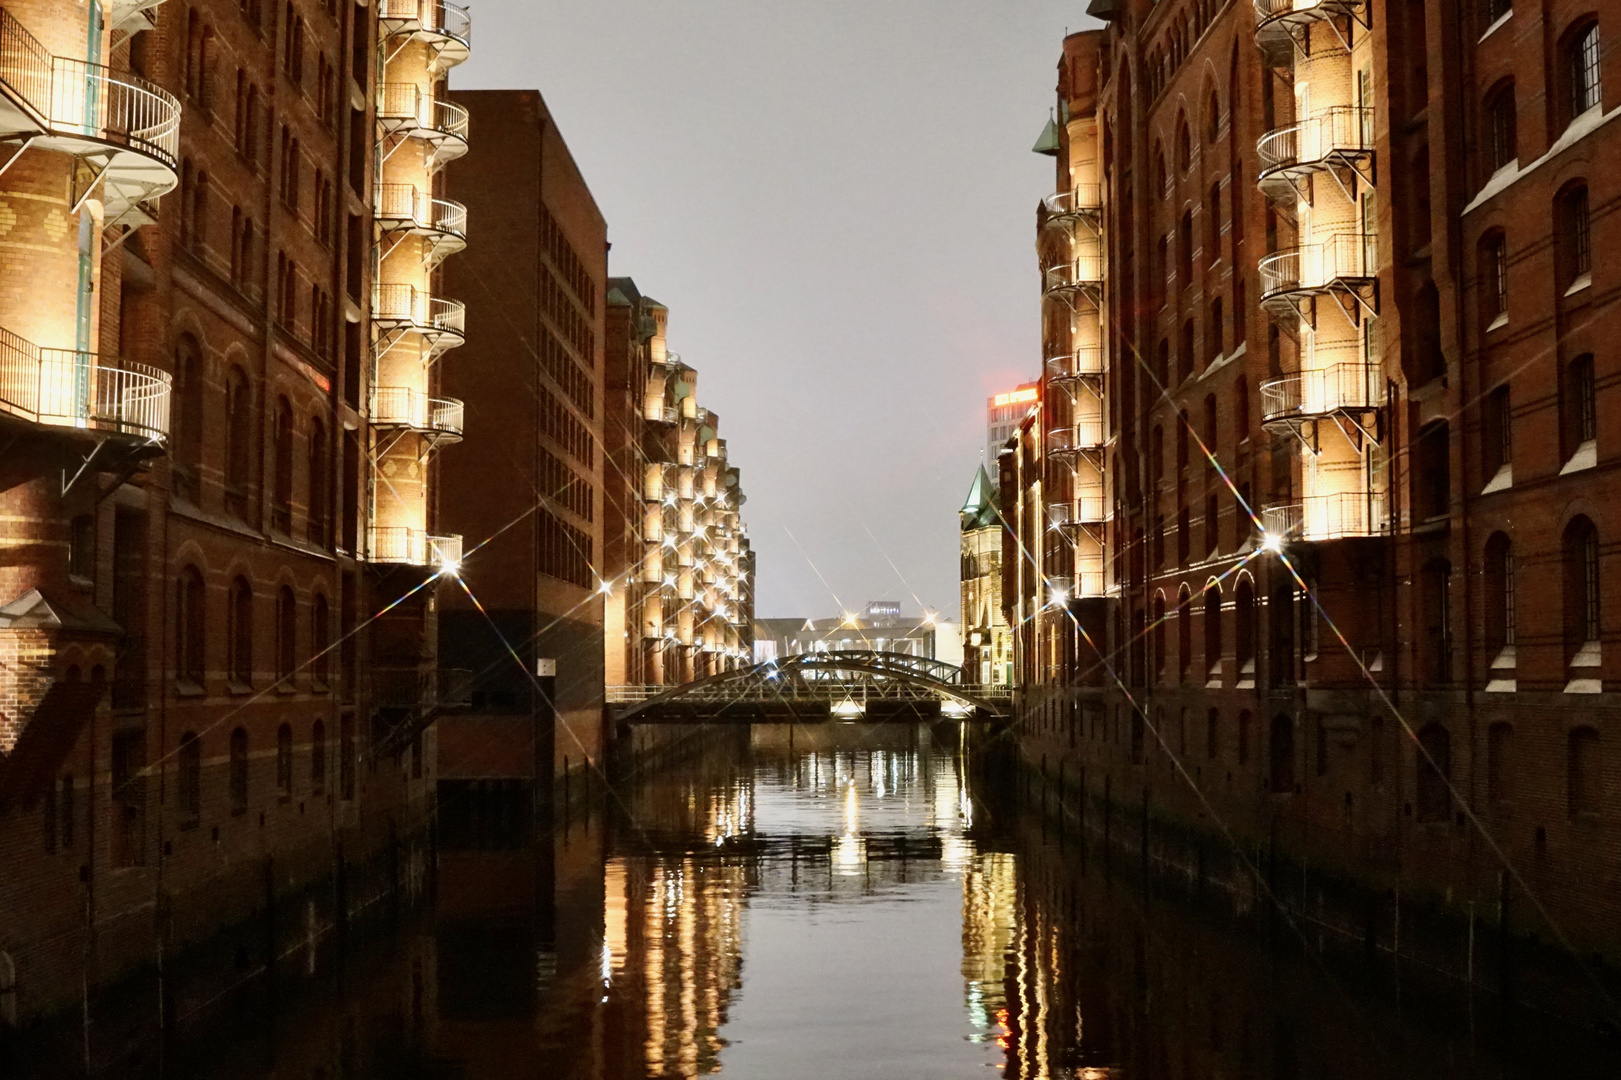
(1333, 516)
(414, 547)
(1351, 387)
(413, 307)
(415, 208)
(428, 16)
(65, 388)
(1081, 272)
(1315, 267)
(70, 98)
(1339, 129)
(1080, 362)
(1089, 507)
(1268, 10)
(402, 406)
(406, 107)
(1084, 434)
(1081, 199)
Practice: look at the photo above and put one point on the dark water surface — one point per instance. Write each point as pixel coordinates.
(844, 902)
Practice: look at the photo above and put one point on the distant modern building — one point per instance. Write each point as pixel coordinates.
(1002, 415)
(986, 639)
(880, 628)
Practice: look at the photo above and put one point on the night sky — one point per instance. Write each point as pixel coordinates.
(836, 200)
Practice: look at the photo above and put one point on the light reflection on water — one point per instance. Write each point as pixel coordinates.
(842, 901)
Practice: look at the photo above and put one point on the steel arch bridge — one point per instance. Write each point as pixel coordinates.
(846, 685)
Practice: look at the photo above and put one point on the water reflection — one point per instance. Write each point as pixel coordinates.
(836, 901)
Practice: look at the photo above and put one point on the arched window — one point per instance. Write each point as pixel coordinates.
(1184, 634)
(1244, 631)
(1212, 117)
(1212, 734)
(1500, 629)
(284, 761)
(82, 546)
(1579, 405)
(281, 510)
(1246, 735)
(1581, 578)
(1493, 277)
(238, 440)
(191, 626)
(1584, 89)
(1575, 234)
(1161, 180)
(239, 631)
(1184, 360)
(1241, 410)
(1281, 748)
(1434, 767)
(1584, 780)
(286, 633)
(320, 467)
(199, 210)
(1184, 145)
(1156, 456)
(189, 782)
(1496, 432)
(1501, 135)
(1137, 737)
(1432, 471)
(1159, 635)
(239, 771)
(1184, 263)
(1212, 430)
(1162, 367)
(1212, 631)
(320, 641)
(188, 435)
(1499, 750)
(318, 758)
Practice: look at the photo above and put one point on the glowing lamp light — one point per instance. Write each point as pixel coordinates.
(1272, 542)
(607, 588)
(450, 568)
(1060, 597)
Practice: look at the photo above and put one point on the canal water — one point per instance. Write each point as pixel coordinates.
(841, 901)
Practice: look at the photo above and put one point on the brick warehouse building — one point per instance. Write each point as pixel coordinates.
(204, 716)
(1369, 308)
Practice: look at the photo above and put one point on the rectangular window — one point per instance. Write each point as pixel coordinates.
(1584, 71)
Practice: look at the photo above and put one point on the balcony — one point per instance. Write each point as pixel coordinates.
(1083, 362)
(446, 28)
(1345, 262)
(1082, 201)
(1338, 138)
(437, 419)
(1068, 442)
(404, 546)
(1333, 516)
(404, 208)
(398, 309)
(81, 390)
(126, 126)
(405, 109)
(1088, 508)
(1082, 275)
(1280, 24)
(1309, 395)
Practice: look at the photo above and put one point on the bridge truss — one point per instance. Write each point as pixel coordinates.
(810, 687)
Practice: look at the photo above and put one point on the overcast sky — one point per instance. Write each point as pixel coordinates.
(836, 201)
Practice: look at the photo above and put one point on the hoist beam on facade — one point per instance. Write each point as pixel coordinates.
(88, 172)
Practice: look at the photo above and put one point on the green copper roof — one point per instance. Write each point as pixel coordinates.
(1048, 143)
(980, 508)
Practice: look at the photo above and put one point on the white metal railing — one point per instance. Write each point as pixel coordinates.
(1089, 507)
(408, 105)
(408, 203)
(1271, 9)
(1084, 434)
(1079, 272)
(1316, 266)
(404, 406)
(1338, 129)
(67, 388)
(1081, 361)
(1332, 516)
(1321, 391)
(413, 547)
(1081, 199)
(408, 304)
(451, 20)
(71, 97)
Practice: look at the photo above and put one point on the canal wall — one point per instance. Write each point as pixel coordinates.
(1271, 880)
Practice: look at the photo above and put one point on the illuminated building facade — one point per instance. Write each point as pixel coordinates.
(197, 710)
(880, 628)
(680, 577)
(987, 642)
(1355, 465)
(1002, 415)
